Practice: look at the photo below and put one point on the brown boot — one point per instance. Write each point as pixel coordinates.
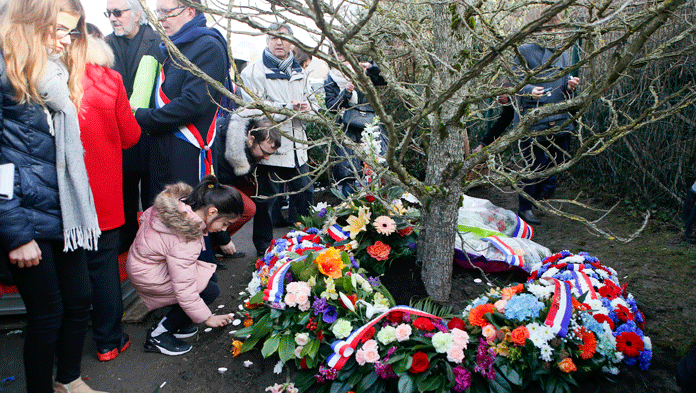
(76, 386)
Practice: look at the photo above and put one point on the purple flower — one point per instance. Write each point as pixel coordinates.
(320, 305)
(485, 357)
(288, 278)
(329, 315)
(412, 246)
(354, 263)
(322, 213)
(327, 373)
(385, 371)
(462, 379)
(374, 281)
(312, 231)
(391, 351)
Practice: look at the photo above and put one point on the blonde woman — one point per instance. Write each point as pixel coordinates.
(51, 220)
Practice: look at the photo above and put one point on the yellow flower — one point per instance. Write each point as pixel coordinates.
(330, 263)
(397, 207)
(355, 226)
(330, 292)
(236, 347)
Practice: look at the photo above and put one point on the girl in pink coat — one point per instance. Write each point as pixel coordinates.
(163, 262)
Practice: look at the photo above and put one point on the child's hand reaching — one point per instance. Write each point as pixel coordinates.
(216, 321)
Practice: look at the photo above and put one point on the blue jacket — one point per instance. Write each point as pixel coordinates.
(26, 141)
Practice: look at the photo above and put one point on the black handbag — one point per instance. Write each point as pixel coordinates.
(356, 118)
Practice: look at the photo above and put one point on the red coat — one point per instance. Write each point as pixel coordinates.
(107, 127)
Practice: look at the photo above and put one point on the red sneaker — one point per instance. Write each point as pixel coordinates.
(104, 355)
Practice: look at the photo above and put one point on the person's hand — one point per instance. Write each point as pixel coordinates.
(27, 255)
(365, 65)
(300, 106)
(537, 92)
(503, 99)
(573, 82)
(228, 248)
(134, 108)
(350, 87)
(216, 321)
(478, 149)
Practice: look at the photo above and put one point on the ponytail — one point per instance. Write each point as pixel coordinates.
(209, 192)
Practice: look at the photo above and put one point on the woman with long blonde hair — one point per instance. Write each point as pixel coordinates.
(50, 220)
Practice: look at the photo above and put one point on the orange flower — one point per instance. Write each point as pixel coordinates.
(477, 313)
(236, 347)
(519, 335)
(379, 251)
(509, 292)
(589, 343)
(567, 366)
(330, 263)
(248, 322)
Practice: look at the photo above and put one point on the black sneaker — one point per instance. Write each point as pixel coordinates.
(186, 332)
(166, 344)
(529, 217)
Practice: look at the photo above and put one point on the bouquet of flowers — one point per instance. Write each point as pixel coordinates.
(376, 225)
(303, 294)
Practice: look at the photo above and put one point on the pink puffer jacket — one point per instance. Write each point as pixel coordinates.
(163, 261)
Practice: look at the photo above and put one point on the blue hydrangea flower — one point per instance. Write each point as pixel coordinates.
(523, 307)
(479, 301)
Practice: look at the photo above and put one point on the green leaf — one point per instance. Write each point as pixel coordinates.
(401, 366)
(499, 384)
(286, 349)
(275, 314)
(311, 349)
(270, 346)
(262, 327)
(406, 384)
(366, 382)
(304, 381)
(249, 344)
(339, 387)
(429, 383)
(244, 332)
(510, 374)
(257, 299)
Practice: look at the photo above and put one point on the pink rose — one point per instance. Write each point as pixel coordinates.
(298, 351)
(360, 357)
(293, 287)
(455, 354)
(371, 356)
(290, 299)
(304, 306)
(304, 289)
(301, 298)
(403, 332)
(370, 345)
(500, 305)
(460, 338)
(489, 332)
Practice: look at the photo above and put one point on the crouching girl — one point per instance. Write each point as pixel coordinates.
(163, 262)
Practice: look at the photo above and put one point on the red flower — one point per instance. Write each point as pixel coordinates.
(370, 198)
(630, 344)
(610, 290)
(272, 262)
(405, 232)
(420, 363)
(601, 318)
(424, 324)
(303, 364)
(259, 263)
(456, 323)
(589, 343)
(477, 313)
(369, 333)
(379, 251)
(395, 316)
(623, 313)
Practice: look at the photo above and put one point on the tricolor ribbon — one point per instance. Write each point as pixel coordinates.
(344, 349)
(276, 284)
(523, 229)
(510, 255)
(189, 133)
(561, 308)
(583, 284)
(337, 233)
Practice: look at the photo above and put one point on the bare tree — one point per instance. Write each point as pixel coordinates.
(445, 61)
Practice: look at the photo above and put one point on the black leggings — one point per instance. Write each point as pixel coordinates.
(57, 296)
(177, 318)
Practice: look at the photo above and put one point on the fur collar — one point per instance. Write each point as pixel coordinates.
(99, 52)
(235, 143)
(179, 219)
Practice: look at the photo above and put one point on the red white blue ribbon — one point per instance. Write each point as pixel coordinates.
(510, 255)
(276, 284)
(336, 233)
(189, 133)
(344, 349)
(523, 229)
(561, 308)
(583, 284)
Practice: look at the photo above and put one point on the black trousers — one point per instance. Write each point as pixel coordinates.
(269, 182)
(107, 304)
(57, 295)
(136, 192)
(177, 318)
(537, 160)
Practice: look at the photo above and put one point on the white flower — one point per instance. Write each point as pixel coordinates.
(619, 301)
(545, 353)
(542, 292)
(341, 328)
(387, 335)
(319, 206)
(301, 338)
(380, 301)
(254, 285)
(647, 343)
(278, 368)
(298, 351)
(442, 342)
(610, 370)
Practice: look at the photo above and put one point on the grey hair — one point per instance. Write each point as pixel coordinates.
(278, 27)
(135, 5)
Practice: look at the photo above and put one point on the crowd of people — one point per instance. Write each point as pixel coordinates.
(88, 157)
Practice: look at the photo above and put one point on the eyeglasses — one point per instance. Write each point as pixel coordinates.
(117, 13)
(62, 32)
(163, 15)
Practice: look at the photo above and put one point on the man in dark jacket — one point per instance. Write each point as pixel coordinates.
(182, 124)
(544, 152)
(132, 39)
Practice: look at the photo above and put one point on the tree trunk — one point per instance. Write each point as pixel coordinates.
(449, 145)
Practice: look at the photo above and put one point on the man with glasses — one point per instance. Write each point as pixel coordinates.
(279, 80)
(132, 39)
